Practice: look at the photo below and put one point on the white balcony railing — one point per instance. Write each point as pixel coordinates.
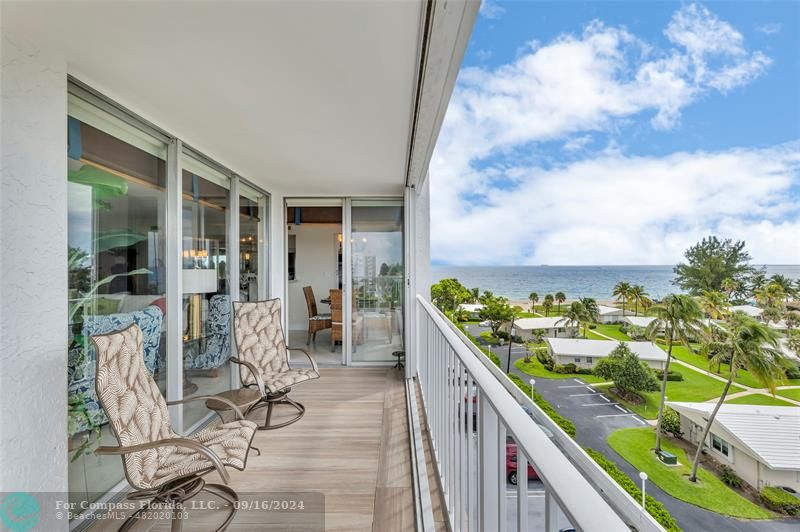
(471, 409)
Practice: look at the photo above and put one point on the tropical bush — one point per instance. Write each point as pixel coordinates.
(780, 501)
(671, 422)
(729, 477)
(546, 360)
(793, 372)
(593, 326)
(630, 375)
(671, 375)
(653, 507)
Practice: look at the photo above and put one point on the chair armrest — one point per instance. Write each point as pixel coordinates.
(306, 353)
(170, 442)
(234, 406)
(262, 388)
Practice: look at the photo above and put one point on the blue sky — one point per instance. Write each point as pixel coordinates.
(621, 133)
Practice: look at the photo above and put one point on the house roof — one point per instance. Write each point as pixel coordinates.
(639, 321)
(771, 433)
(553, 322)
(602, 348)
(470, 307)
(605, 310)
(750, 310)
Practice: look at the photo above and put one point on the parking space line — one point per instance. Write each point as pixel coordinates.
(581, 394)
(576, 386)
(616, 415)
(640, 421)
(618, 407)
(604, 398)
(601, 404)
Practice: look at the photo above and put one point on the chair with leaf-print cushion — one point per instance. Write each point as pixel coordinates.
(264, 358)
(163, 467)
(215, 349)
(81, 364)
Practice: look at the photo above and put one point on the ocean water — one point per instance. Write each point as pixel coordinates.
(516, 282)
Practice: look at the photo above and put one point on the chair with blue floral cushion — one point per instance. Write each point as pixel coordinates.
(216, 346)
(81, 364)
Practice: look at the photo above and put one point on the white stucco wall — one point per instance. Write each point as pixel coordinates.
(33, 258)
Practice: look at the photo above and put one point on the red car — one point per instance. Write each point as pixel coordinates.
(511, 464)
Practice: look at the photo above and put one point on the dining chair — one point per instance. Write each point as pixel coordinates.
(316, 321)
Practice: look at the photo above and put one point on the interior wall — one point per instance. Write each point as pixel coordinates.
(315, 266)
(33, 273)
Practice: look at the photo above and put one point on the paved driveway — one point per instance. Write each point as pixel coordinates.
(596, 416)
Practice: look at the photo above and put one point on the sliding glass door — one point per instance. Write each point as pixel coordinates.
(377, 273)
(118, 182)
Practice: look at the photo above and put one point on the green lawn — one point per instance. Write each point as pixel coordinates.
(534, 368)
(684, 354)
(694, 387)
(635, 445)
(791, 394)
(758, 399)
(612, 331)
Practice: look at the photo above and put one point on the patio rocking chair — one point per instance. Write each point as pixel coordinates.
(264, 358)
(163, 467)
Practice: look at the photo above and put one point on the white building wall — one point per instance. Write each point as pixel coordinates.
(33, 258)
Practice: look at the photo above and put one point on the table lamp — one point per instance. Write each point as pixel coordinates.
(197, 282)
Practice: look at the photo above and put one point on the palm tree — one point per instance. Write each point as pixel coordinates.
(679, 316)
(476, 294)
(758, 281)
(592, 312)
(786, 284)
(771, 295)
(547, 304)
(714, 304)
(622, 291)
(574, 315)
(638, 294)
(792, 319)
(751, 345)
(533, 297)
(538, 335)
(560, 298)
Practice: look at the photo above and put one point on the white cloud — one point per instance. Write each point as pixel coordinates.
(769, 29)
(570, 90)
(490, 9)
(629, 210)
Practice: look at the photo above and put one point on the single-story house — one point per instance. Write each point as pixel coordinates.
(609, 314)
(760, 443)
(473, 309)
(783, 346)
(586, 353)
(554, 327)
(639, 321)
(750, 310)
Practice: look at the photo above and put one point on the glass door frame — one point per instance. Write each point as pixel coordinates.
(347, 251)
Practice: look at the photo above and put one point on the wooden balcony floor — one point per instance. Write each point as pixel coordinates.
(352, 446)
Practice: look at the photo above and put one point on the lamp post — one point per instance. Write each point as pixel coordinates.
(533, 389)
(643, 476)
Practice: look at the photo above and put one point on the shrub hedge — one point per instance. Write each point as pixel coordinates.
(671, 375)
(653, 507)
(780, 501)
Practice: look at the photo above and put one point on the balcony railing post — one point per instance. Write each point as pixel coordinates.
(551, 517)
(488, 457)
(522, 490)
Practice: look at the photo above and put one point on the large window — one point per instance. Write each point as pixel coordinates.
(252, 212)
(116, 218)
(206, 291)
(118, 187)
